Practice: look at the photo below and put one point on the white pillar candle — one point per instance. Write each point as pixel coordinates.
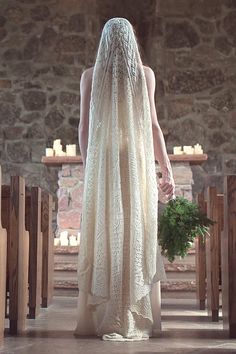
(56, 143)
(49, 152)
(59, 152)
(73, 240)
(198, 149)
(56, 241)
(71, 150)
(64, 234)
(64, 242)
(188, 149)
(177, 150)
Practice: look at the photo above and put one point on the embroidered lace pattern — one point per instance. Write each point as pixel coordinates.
(119, 256)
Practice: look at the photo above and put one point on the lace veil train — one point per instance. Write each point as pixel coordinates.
(119, 257)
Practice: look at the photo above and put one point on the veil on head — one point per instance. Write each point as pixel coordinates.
(120, 188)
(119, 87)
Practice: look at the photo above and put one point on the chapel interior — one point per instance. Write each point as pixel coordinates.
(44, 48)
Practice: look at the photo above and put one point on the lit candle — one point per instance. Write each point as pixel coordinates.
(49, 152)
(71, 150)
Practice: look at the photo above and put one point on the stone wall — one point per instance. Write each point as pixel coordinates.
(191, 46)
(45, 46)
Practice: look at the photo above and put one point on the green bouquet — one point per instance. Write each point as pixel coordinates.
(178, 225)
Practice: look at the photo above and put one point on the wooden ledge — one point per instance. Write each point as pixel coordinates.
(54, 161)
(195, 159)
(61, 160)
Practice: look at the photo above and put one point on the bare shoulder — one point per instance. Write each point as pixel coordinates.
(87, 75)
(149, 74)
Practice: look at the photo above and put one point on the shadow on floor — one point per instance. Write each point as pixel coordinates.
(169, 333)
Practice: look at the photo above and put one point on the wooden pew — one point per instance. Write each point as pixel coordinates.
(33, 225)
(201, 259)
(48, 249)
(3, 268)
(229, 257)
(13, 218)
(212, 255)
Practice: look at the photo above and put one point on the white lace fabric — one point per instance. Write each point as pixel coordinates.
(119, 257)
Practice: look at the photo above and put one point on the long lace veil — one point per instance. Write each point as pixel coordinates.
(119, 219)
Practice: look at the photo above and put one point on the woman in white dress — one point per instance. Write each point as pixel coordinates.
(119, 264)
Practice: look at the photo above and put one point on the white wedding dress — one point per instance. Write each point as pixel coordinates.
(119, 263)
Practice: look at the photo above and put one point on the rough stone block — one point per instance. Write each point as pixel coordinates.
(38, 150)
(12, 54)
(63, 203)
(77, 23)
(69, 98)
(69, 219)
(2, 21)
(28, 27)
(18, 151)
(223, 45)
(223, 102)
(30, 117)
(180, 34)
(48, 36)
(67, 182)
(3, 33)
(190, 81)
(40, 13)
(182, 174)
(66, 171)
(72, 43)
(36, 130)
(34, 100)
(179, 108)
(5, 84)
(9, 113)
(13, 133)
(54, 118)
(229, 25)
(31, 49)
(205, 26)
(14, 14)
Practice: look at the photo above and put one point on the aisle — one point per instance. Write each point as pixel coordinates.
(185, 330)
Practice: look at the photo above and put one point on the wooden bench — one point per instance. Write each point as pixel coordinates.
(228, 257)
(3, 267)
(41, 256)
(13, 219)
(208, 253)
(33, 225)
(47, 249)
(200, 248)
(214, 212)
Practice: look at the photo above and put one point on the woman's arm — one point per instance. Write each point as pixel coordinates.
(83, 128)
(160, 152)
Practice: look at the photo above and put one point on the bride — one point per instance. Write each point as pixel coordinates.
(119, 264)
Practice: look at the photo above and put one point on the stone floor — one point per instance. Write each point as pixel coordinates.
(184, 330)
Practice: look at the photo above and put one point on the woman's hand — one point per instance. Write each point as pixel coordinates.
(167, 184)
